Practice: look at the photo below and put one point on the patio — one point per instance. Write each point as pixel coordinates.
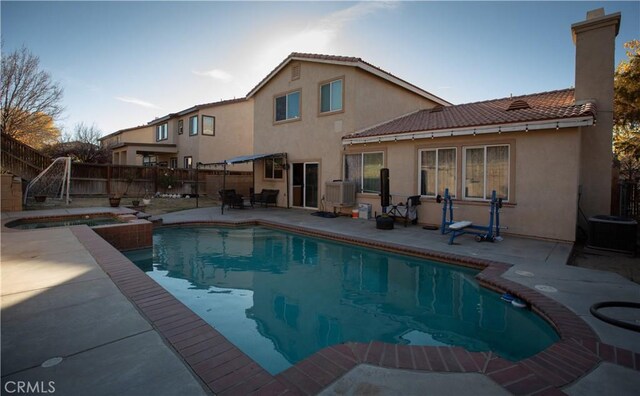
(71, 273)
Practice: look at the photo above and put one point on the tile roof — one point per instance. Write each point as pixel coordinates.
(550, 105)
(195, 108)
(355, 61)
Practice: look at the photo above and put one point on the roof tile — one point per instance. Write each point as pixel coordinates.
(543, 106)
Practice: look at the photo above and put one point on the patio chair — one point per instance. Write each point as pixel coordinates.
(231, 199)
(406, 211)
(266, 197)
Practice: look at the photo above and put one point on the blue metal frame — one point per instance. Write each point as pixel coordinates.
(482, 233)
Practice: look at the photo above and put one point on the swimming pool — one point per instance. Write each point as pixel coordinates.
(281, 297)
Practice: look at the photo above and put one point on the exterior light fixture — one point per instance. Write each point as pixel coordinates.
(474, 131)
(557, 126)
(431, 135)
(526, 128)
(499, 130)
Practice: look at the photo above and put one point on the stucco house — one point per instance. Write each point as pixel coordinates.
(304, 108)
(203, 133)
(548, 155)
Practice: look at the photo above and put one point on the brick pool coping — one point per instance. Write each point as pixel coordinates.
(225, 369)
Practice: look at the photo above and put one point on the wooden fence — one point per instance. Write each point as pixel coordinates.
(137, 181)
(22, 160)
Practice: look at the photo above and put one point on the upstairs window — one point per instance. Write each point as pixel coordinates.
(208, 125)
(193, 125)
(180, 127)
(162, 132)
(331, 96)
(287, 107)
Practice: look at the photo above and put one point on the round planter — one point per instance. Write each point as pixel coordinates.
(384, 222)
(135, 202)
(40, 198)
(114, 202)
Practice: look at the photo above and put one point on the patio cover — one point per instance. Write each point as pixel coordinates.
(249, 158)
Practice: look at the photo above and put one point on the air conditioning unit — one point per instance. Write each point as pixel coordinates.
(613, 233)
(340, 193)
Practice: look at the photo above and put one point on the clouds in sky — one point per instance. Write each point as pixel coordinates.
(137, 102)
(216, 74)
(257, 57)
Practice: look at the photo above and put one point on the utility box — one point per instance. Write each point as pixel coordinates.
(365, 211)
(340, 193)
(613, 233)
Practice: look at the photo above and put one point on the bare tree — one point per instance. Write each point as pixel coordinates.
(82, 145)
(31, 100)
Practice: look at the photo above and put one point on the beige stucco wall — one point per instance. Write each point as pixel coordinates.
(143, 134)
(233, 134)
(544, 169)
(11, 194)
(595, 50)
(367, 100)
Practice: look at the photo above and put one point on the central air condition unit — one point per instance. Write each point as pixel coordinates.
(340, 193)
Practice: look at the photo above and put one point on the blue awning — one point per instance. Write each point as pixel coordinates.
(254, 157)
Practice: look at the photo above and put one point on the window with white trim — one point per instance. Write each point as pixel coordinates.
(273, 168)
(180, 127)
(287, 107)
(364, 170)
(437, 171)
(162, 132)
(331, 96)
(188, 162)
(173, 162)
(486, 168)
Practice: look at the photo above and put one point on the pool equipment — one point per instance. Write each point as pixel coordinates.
(516, 302)
(507, 297)
(616, 322)
(490, 232)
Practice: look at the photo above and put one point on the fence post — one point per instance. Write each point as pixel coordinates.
(155, 179)
(108, 179)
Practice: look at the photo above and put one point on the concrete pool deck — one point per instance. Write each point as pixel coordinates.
(614, 361)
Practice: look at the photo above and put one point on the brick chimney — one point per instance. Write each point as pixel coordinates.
(594, 39)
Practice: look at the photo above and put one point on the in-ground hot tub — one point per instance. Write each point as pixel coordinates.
(92, 220)
(123, 231)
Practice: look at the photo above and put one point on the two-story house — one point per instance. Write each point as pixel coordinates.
(547, 155)
(307, 104)
(204, 133)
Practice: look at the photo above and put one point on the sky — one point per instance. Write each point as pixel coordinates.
(122, 63)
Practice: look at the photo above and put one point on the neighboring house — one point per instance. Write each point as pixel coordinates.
(341, 118)
(204, 133)
(307, 104)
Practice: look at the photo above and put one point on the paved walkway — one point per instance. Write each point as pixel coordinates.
(108, 347)
(57, 302)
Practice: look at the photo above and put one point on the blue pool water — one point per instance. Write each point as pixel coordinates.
(280, 296)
